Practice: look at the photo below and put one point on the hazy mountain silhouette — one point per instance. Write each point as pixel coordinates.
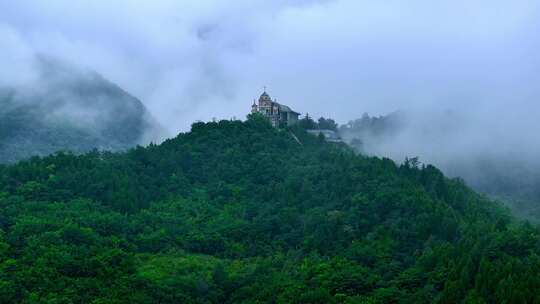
(69, 108)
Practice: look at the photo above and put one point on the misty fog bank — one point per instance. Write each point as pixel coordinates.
(195, 60)
(494, 154)
(69, 109)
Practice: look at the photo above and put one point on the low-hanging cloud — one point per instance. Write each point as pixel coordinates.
(191, 60)
(179, 57)
(195, 59)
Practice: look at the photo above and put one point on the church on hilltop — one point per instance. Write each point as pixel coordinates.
(278, 114)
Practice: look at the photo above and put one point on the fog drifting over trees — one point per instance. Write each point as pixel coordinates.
(467, 70)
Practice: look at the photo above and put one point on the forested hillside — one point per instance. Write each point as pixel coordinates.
(240, 212)
(491, 166)
(69, 108)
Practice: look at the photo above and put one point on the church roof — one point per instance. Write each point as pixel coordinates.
(284, 108)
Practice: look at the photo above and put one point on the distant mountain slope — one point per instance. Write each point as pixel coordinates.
(68, 109)
(443, 141)
(240, 212)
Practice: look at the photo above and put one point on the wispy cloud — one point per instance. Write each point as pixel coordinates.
(190, 60)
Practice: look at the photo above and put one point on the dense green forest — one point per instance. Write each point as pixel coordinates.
(240, 212)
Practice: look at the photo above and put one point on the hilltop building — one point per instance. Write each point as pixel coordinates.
(278, 114)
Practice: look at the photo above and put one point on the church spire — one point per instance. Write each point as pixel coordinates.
(254, 107)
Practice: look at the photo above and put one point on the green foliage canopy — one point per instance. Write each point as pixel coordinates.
(240, 212)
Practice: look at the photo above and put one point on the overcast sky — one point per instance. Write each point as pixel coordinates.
(198, 59)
